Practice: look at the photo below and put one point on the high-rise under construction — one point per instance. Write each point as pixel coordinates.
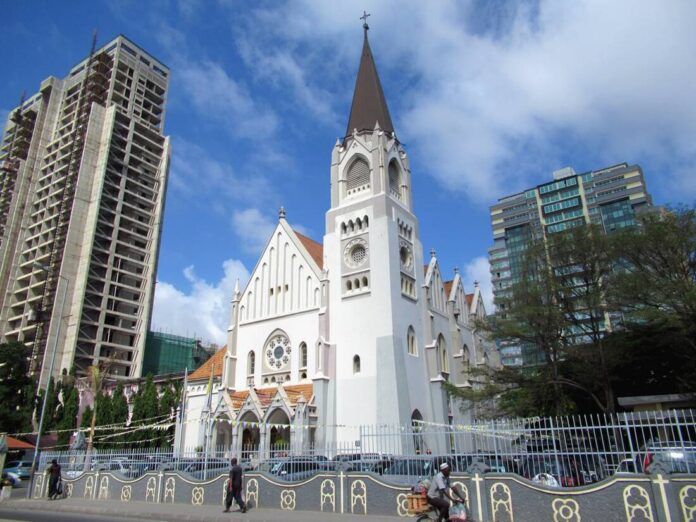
(83, 172)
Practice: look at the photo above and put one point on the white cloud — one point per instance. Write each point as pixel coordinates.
(478, 269)
(196, 174)
(280, 68)
(214, 93)
(496, 97)
(204, 312)
(254, 229)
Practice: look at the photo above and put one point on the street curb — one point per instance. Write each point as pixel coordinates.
(22, 505)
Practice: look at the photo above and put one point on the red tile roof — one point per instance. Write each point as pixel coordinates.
(213, 364)
(316, 250)
(266, 395)
(294, 392)
(16, 444)
(448, 288)
(469, 298)
(238, 398)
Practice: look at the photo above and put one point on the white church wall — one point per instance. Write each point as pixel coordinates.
(299, 327)
(195, 419)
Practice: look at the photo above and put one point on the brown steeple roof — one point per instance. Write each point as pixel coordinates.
(369, 105)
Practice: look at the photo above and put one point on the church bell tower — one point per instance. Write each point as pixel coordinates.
(375, 267)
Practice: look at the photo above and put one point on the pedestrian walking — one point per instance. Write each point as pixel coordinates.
(234, 488)
(54, 480)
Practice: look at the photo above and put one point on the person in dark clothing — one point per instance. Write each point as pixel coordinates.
(234, 488)
(53, 479)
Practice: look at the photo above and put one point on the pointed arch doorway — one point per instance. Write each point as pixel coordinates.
(250, 435)
(416, 429)
(279, 433)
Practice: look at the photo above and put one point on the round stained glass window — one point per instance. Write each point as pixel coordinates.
(358, 254)
(278, 351)
(355, 253)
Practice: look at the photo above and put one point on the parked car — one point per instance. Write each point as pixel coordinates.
(677, 456)
(14, 479)
(495, 463)
(268, 465)
(564, 471)
(21, 468)
(295, 469)
(408, 470)
(198, 468)
(626, 466)
(120, 465)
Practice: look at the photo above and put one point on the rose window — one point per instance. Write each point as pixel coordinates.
(278, 352)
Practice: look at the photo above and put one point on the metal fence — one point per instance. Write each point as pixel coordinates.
(559, 451)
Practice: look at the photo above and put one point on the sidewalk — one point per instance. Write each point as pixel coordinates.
(177, 512)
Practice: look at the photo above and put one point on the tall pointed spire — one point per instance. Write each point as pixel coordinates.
(369, 105)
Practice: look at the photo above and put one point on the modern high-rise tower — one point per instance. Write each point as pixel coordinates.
(610, 197)
(83, 172)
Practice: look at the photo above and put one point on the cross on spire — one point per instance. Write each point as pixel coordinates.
(364, 18)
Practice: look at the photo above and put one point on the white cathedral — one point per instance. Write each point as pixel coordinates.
(357, 331)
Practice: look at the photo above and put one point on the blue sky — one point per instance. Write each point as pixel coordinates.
(489, 97)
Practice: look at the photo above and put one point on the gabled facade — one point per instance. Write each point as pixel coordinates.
(326, 338)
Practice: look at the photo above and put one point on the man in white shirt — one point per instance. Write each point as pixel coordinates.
(439, 494)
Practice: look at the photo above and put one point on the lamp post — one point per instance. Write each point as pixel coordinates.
(46, 269)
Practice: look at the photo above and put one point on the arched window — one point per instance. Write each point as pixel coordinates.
(356, 364)
(358, 174)
(465, 357)
(411, 341)
(394, 179)
(366, 222)
(364, 282)
(303, 355)
(251, 363)
(442, 350)
(349, 285)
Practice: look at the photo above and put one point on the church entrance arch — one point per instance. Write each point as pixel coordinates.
(223, 434)
(416, 428)
(248, 425)
(278, 424)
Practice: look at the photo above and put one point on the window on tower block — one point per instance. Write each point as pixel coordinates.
(411, 341)
(394, 179)
(358, 175)
(251, 363)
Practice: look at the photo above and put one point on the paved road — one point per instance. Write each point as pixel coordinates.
(67, 510)
(14, 515)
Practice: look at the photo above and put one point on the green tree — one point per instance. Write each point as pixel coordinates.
(582, 262)
(51, 403)
(145, 409)
(167, 406)
(86, 417)
(16, 389)
(68, 421)
(119, 410)
(656, 287)
(104, 414)
(531, 317)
